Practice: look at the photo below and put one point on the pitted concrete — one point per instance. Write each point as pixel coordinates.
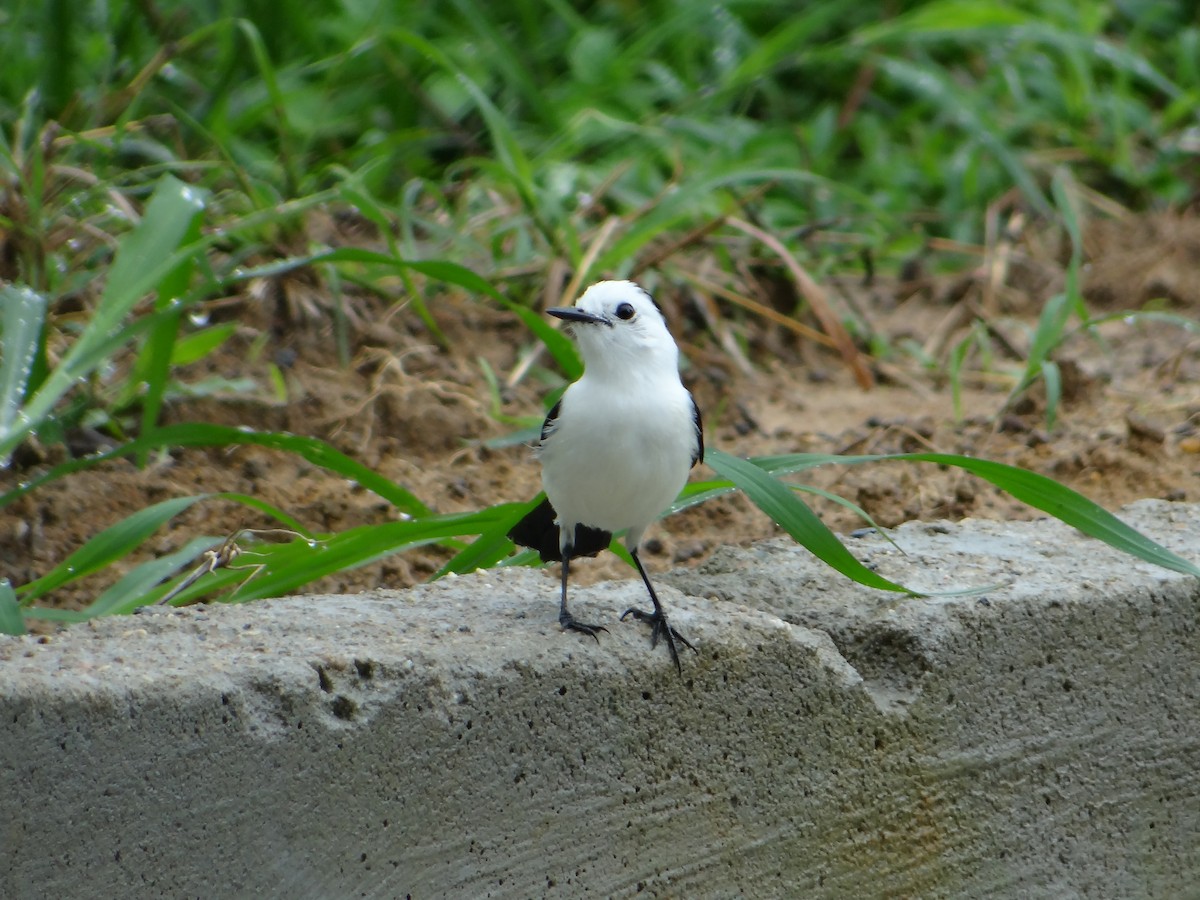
(1039, 740)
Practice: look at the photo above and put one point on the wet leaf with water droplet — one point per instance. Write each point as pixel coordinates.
(22, 315)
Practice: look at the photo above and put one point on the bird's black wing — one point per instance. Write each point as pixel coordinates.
(550, 421)
(538, 530)
(698, 453)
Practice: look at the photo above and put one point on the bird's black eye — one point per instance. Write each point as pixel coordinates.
(626, 311)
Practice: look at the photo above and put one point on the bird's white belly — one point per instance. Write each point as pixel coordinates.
(613, 469)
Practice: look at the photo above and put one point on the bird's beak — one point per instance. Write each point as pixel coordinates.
(574, 314)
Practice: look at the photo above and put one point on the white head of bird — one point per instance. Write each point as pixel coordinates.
(621, 332)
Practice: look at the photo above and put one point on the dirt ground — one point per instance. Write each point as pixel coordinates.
(424, 416)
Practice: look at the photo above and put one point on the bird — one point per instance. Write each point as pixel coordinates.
(617, 447)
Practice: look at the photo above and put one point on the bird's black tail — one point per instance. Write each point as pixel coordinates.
(538, 530)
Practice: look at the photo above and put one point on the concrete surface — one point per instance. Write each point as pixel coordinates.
(1040, 740)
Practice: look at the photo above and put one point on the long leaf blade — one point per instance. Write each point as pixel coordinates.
(111, 544)
(1038, 491)
(11, 619)
(775, 499)
(130, 591)
(194, 434)
(22, 316)
(1067, 506)
(145, 256)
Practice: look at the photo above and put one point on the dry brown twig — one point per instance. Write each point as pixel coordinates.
(662, 254)
(568, 293)
(812, 292)
(715, 322)
(759, 309)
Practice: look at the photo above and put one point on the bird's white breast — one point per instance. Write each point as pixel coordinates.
(619, 454)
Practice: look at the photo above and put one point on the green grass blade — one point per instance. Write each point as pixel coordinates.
(943, 17)
(679, 206)
(287, 567)
(153, 367)
(196, 346)
(53, 614)
(784, 508)
(696, 492)
(284, 519)
(193, 434)
(780, 46)
(1065, 505)
(109, 545)
(11, 619)
(1048, 334)
(505, 144)
(22, 316)
(144, 258)
(1053, 380)
(851, 506)
(132, 590)
(510, 56)
(138, 587)
(557, 343)
(493, 543)
(790, 463)
(1036, 490)
(283, 129)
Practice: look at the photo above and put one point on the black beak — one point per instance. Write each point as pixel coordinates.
(574, 314)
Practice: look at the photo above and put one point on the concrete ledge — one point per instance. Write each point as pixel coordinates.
(1043, 740)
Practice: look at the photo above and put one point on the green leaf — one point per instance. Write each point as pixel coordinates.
(112, 544)
(153, 368)
(939, 89)
(1038, 491)
(132, 589)
(941, 17)
(438, 269)
(22, 316)
(505, 145)
(144, 258)
(493, 543)
(195, 434)
(1049, 334)
(11, 619)
(270, 510)
(1065, 505)
(276, 569)
(850, 505)
(791, 514)
(194, 347)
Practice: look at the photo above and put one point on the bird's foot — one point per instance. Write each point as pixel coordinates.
(660, 629)
(568, 623)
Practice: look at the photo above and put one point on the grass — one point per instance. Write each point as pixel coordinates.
(156, 158)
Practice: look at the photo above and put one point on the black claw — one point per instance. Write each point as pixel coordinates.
(568, 623)
(661, 628)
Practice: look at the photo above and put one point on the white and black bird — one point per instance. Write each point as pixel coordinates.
(616, 448)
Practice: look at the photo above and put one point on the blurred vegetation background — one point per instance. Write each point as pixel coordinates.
(896, 121)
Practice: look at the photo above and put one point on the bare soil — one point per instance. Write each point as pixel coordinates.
(421, 413)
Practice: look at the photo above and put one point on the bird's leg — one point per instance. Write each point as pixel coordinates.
(657, 619)
(565, 619)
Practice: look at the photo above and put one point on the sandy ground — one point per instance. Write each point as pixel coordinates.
(423, 414)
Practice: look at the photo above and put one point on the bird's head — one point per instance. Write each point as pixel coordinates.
(618, 325)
